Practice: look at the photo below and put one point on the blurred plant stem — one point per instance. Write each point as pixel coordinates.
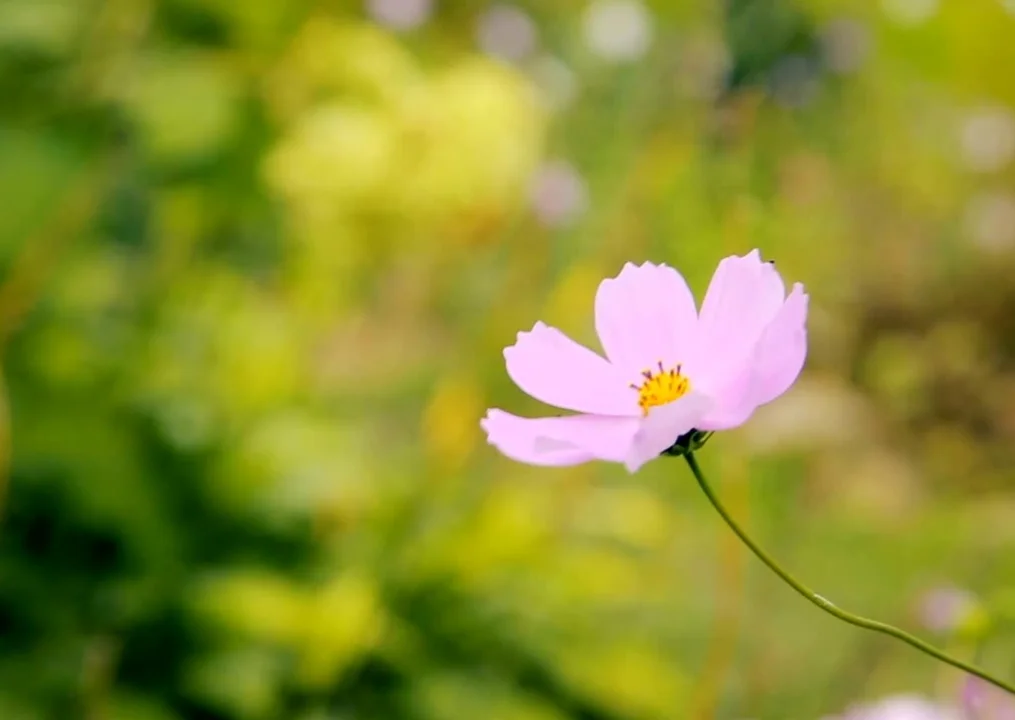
(29, 272)
(32, 267)
(119, 27)
(5, 441)
(826, 605)
(109, 48)
(98, 673)
(726, 625)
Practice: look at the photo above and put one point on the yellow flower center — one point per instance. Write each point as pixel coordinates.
(661, 387)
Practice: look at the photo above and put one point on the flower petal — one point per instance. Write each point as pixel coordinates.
(781, 352)
(772, 368)
(553, 368)
(733, 404)
(742, 298)
(644, 316)
(560, 440)
(663, 426)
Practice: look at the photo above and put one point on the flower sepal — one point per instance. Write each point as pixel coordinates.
(690, 441)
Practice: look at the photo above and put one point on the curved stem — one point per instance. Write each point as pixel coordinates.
(828, 606)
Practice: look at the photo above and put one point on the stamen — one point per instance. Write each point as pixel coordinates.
(661, 388)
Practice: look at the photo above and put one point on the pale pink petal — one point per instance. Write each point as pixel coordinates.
(644, 316)
(560, 440)
(742, 298)
(663, 426)
(771, 368)
(553, 368)
(733, 403)
(781, 352)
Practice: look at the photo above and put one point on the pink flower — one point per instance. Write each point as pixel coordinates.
(981, 701)
(669, 368)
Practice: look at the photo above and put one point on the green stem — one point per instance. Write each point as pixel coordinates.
(828, 606)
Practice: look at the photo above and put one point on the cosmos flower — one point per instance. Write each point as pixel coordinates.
(669, 368)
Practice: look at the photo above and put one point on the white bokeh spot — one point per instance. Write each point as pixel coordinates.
(506, 32)
(990, 221)
(555, 81)
(910, 12)
(400, 14)
(845, 45)
(618, 30)
(987, 139)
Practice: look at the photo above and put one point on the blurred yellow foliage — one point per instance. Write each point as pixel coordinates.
(477, 136)
(185, 106)
(343, 621)
(341, 57)
(572, 300)
(298, 465)
(42, 26)
(328, 627)
(257, 358)
(633, 515)
(596, 574)
(337, 156)
(242, 679)
(451, 696)
(631, 678)
(449, 424)
(370, 133)
(256, 604)
(511, 526)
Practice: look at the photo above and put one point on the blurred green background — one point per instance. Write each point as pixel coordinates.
(258, 261)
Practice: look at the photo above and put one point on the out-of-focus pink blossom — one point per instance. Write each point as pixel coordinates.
(943, 609)
(899, 707)
(982, 701)
(558, 194)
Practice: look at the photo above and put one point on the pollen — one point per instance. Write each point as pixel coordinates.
(660, 387)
